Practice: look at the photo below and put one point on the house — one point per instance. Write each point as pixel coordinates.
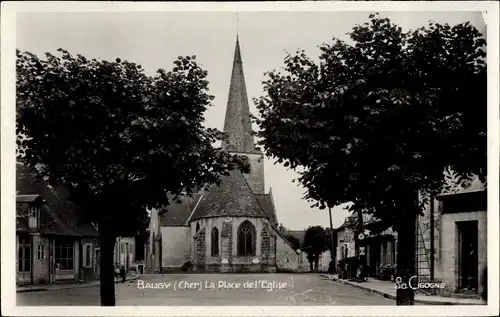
(124, 253)
(450, 241)
(379, 245)
(52, 245)
(461, 233)
(231, 227)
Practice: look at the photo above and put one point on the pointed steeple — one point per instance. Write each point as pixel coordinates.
(238, 125)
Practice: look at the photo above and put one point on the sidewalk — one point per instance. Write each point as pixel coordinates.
(56, 287)
(387, 290)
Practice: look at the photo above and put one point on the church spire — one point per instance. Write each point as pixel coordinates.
(237, 125)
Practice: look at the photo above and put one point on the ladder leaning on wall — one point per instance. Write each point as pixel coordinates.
(422, 261)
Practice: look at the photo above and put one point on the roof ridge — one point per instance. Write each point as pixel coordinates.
(253, 196)
(282, 236)
(196, 206)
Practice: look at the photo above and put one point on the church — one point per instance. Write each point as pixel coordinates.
(231, 227)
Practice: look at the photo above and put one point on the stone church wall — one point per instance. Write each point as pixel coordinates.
(175, 247)
(228, 259)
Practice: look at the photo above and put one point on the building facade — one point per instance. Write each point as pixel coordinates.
(124, 253)
(51, 244)
(450, 241)
(462, 244)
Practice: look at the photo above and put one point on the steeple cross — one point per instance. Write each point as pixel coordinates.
(237, 24)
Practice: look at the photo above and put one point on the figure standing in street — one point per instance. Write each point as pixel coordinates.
(123, 274)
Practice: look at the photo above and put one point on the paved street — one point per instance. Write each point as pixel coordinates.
(290, 289)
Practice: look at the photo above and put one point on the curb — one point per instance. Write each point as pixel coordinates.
(393, 297)
(70, 286)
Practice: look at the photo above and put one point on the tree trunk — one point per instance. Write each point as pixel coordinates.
(405, 295)
(107, 244)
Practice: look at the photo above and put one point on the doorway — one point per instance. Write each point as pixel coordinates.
(467, 255)
(374, 262)
(97, 266)
(24, 260)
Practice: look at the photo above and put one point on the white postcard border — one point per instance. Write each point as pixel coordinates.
(8, 37)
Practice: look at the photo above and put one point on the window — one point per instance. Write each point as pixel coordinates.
(87, 256)
(33, 211)
(24, 254)
(272, 250)
(33, 216)
(64, 255)
(246, 239)
(40, 252)
(197, 227)
(153, 244)
(215, 242)
(393, 252)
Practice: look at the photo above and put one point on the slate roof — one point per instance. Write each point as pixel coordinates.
(28, 198)
(237, 124)
(177, 214)
(352, 221)
(58, 216)
(275, 230)
(267, 204)
(233, 198)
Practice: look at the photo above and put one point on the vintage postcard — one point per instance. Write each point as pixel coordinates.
(306, 158)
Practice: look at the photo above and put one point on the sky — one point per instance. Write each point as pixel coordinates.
(155, 39)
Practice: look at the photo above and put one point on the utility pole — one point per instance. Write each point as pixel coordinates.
(359, 244)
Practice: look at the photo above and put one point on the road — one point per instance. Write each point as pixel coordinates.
(214, 289)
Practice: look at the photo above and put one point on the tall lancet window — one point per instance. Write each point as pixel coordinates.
(215, 242)
(246, 239)
(197, 227)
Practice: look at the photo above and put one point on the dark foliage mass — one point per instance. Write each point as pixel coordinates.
(315, 242)
(379, 119)
(383, 122)
(118, 140)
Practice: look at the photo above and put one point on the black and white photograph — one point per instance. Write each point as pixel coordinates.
(301, 158)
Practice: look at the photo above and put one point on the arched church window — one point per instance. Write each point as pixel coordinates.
(215, 242)
(197, 227)
(246, 239)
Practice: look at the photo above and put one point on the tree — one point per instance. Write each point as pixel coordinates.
(377, 122)
(314, 244)
(294, 241)
(118, 140)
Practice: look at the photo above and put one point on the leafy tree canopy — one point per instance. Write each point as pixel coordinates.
(315, 241)
(119, 140)
(380, 119)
